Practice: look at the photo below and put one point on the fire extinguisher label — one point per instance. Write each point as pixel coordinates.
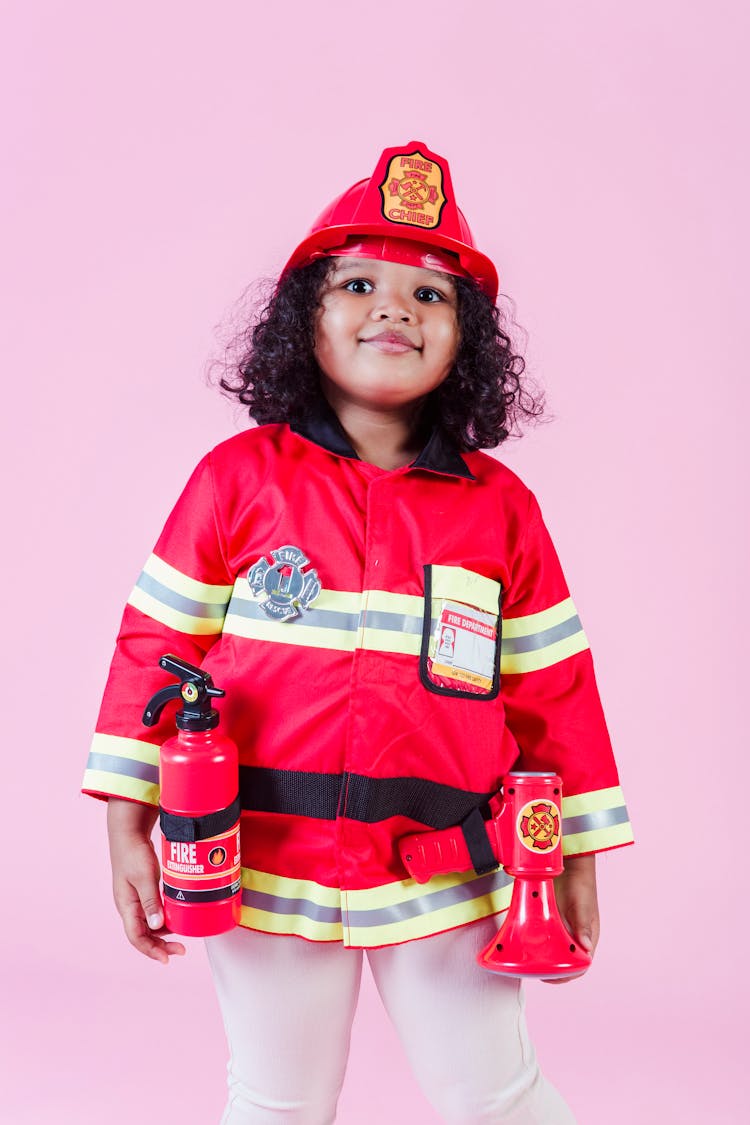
(202, 867)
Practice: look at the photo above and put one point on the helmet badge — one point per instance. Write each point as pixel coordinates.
(412, 191)
(284, 589)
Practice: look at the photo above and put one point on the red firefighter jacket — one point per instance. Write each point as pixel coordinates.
(390, 644)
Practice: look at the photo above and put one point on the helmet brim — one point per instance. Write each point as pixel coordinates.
(324, 243)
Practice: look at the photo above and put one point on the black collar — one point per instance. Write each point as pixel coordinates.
(438, 456)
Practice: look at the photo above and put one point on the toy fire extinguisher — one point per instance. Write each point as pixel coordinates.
(199, 808)
(524, 834)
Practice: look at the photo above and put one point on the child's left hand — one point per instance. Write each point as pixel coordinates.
(575, 892)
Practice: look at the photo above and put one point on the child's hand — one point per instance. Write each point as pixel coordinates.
(575, 892)
(135, 879)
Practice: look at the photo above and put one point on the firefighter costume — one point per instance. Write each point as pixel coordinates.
(349, 734)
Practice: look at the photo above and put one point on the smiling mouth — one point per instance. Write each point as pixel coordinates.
(393, 343)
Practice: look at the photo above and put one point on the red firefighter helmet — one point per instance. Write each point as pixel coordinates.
(406, 212)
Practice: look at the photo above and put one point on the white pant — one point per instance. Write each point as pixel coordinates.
(288, 1007)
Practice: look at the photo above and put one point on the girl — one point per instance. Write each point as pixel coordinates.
(377, 371)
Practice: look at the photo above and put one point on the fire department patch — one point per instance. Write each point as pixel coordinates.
(284, 589)
(538, 826)
(412, 191)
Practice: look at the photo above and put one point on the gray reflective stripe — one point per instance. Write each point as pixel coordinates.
(588, 822)
(179, 602)
(428, 903)
(394, 622)
(113, 763)
(274, 904)
(381, 915)
(321, 618)
(541, 640)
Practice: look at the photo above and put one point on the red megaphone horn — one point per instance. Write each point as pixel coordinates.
(525, 835)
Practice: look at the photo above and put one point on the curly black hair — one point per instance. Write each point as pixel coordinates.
(482, 402)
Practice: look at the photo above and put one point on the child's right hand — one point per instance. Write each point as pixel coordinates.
(135, 879)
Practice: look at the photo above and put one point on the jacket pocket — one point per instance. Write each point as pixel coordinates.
(461, 633)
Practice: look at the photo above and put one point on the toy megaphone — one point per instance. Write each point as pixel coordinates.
(524, 834)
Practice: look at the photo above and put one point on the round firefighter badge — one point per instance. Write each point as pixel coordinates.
(538, 826)
(284, 589)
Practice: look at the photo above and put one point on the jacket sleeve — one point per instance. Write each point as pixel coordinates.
(177, 606)
(551, 700)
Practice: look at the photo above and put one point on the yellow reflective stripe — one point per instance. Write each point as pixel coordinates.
(341, 601)
(120, 785)
(388, 640)
(543, 657)
(599, 839)
(538, 622)
(174, 618)
(383, 601)
(183, 584)
(580, 803)
(403, 891)
(286, 633)
(462, 585)
(126, 748)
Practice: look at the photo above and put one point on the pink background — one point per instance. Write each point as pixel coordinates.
(161, 156)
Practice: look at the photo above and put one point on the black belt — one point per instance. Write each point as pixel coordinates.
(367, 799)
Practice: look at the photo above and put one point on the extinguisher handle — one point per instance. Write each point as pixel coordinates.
(157, 703)
(195, 690)
(188, 673)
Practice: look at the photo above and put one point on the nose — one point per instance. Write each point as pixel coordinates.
(394, 306)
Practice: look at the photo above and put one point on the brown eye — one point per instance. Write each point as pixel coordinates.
(359, 285)
(428, 296)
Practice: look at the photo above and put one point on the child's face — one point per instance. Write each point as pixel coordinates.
(387, 334)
